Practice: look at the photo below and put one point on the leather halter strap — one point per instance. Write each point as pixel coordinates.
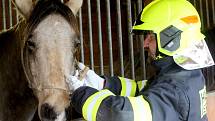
(41, 89)
(38, 87)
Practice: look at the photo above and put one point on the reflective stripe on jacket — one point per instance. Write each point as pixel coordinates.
(124, 86)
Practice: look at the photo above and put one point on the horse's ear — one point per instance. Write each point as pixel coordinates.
(74, 5)
(25, 6)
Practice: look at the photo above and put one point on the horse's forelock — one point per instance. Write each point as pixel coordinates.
(44, 8)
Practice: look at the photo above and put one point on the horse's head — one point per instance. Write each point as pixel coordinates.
(50, 44)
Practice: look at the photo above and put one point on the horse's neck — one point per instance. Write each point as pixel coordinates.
(16, 97)
(10, 60)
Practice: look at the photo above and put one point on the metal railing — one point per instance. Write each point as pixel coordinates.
(8, 16)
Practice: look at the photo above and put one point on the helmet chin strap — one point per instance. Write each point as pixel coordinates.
(160, 55)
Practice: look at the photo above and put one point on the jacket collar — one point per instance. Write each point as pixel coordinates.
(165, 64)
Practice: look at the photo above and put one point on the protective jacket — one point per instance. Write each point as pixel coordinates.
(174, 95)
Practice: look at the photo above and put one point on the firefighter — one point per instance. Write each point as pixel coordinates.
(175, 43)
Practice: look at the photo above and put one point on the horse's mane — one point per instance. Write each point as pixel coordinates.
(46, 7)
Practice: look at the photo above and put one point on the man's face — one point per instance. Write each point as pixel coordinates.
(150, 45)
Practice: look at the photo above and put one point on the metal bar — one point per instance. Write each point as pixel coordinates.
(100, 37)
(143, 61)
(17, 16)
(201, 14)
(204, 70)
(141, 40)
(195, 4)
(109, 36)
(3, 15)
(10, 13)
(207, 13)
(211, 75)
(213, 10)
(208, 77)
(81, 35)
(139, 6)
(130, 37)
(119, 37)
(191, 1)
(90, 35)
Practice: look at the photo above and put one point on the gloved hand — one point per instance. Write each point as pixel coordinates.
(91, 79)
(74, 82)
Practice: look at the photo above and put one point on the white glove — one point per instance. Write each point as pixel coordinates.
(92, 79)
(74, 82)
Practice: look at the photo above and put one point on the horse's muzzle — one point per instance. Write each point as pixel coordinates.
(47, 113)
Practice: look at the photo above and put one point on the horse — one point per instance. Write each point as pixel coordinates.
(37, 55)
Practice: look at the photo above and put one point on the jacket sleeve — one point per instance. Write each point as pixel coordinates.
(160, 103)
(124, 86)
(103, 105)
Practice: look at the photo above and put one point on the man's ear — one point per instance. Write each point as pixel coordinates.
(25, 7)
(74, 5)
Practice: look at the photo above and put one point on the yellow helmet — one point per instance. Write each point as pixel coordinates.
(176, 24)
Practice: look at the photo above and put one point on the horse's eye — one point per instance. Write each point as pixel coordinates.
(31, 45)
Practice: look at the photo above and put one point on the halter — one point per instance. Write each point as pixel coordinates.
(39, 87)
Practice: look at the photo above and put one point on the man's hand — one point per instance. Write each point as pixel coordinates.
(74, 82)
(91, 79)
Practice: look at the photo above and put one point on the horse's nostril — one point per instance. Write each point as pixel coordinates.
(47, 112)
